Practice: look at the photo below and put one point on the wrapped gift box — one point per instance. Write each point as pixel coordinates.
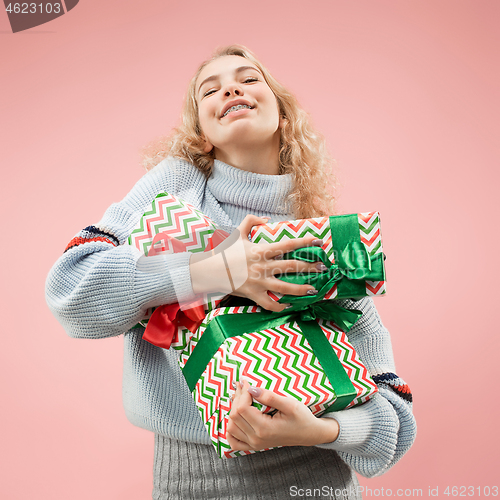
(352, 251)
(170, 225)
(291, 354)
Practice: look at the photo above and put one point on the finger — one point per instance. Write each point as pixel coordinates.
(295, 266)
(284, 404)
(249, 416)
(263, 300)
(233, 394)
(238, 397)
(236, 431)
(281, 247)
(277, 286)
(241, 403)
(236, 444)
(240, 426)
(237, 387)
(249, 221)
(244, 399)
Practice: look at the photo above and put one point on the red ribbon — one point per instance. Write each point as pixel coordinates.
(165, 321)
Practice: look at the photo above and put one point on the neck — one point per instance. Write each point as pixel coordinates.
(259, 159)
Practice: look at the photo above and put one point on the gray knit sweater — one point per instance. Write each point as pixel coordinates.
(96, 290)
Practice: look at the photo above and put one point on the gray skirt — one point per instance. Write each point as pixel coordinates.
(184, 470)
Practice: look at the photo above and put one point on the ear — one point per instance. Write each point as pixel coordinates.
(208, 145)
(283, 122)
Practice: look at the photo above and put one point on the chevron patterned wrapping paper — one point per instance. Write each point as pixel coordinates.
(279, 359)
(171, 225)
(170, 216)
(328, 229)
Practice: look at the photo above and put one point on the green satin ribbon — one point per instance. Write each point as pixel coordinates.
(353, 264)
(232, 325)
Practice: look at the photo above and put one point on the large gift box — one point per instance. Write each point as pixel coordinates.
(291, 353)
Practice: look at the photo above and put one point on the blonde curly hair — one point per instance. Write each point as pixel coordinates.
(302, 151)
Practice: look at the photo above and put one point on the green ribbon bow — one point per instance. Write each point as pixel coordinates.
(353, 264)
(233, 325)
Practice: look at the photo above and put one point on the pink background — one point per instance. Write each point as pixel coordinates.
(407, 94)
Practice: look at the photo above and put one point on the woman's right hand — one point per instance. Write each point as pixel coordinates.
(252, 267)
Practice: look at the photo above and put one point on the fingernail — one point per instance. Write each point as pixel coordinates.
(312, 292)
(288, 306)
(233, 384)
(255, 391)
(321, 267)
(317, 243)
(278, 257)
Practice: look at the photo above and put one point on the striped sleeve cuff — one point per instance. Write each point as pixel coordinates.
(395, 383)
(92, 234)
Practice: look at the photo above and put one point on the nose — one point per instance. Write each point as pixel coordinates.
(233, 89)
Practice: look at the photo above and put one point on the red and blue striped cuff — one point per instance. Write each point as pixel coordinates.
(90, 234)
(397, 384)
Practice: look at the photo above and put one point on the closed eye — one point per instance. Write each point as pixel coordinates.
(209, 92)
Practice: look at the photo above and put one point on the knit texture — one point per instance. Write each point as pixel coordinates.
(96, 290)
(184, 470)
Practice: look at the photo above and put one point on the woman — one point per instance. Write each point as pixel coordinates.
(244, 147)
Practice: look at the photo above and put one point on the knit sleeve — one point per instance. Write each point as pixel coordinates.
(96, 289)
(375, 435)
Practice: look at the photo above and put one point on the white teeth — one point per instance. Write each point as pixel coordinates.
(236, 108)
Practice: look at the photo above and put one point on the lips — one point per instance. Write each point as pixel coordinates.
(236, 102)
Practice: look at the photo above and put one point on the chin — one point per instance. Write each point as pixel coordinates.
(249, 135)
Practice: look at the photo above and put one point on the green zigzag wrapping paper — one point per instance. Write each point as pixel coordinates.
(176, 218)
(185, 229)
(343, 236)
(279, 358)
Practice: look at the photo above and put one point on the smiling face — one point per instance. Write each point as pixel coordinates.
(236, 107)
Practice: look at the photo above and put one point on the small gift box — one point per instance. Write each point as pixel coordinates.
(352, 251)
(290, 353)
(172, 225)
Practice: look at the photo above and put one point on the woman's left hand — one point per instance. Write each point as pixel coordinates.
(292, 425)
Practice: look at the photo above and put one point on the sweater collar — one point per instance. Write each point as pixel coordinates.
(250, 190)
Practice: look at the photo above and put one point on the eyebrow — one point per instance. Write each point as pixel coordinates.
(216, 77)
